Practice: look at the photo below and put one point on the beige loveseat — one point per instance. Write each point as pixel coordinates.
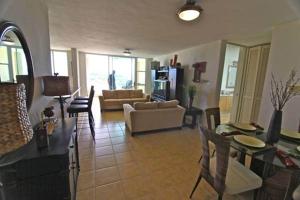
(114, 99)
(153, 116)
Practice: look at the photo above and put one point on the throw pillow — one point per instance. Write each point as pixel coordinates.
(168, 104)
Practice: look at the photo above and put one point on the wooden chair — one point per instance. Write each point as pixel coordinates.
(213, 113)
(75, 109)
(296, 194)
(222, 172)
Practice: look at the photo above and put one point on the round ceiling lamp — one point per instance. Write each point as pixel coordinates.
(127, 52)
(190, 11)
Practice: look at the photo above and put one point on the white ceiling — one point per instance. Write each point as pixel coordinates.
(151, 27)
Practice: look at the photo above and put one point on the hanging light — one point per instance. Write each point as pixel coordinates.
(7, 40)
(190, 11)
(127, 52)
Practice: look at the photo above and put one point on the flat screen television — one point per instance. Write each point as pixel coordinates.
(161, 90)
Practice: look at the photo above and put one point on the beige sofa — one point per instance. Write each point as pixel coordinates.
(153, 116)
(114, 99)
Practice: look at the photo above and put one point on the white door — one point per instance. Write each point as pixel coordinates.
(252, 84)
(259, 85)
(248, 85)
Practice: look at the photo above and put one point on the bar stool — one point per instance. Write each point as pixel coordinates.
(84, 97)
(75, 109)
(83, 101)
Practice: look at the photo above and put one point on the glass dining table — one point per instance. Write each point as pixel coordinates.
(266, 155)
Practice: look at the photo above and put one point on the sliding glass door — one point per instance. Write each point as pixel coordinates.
(97, 71)
(99, 68)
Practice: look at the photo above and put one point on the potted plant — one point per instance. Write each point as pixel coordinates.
(280, 94)
(192, 89)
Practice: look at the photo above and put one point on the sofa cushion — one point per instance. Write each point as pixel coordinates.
(168, 104)
(145, 106)
(113, 102)
(136, 93)
(109, 94)
(123, 94)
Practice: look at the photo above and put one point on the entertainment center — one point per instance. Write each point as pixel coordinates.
(167, 84)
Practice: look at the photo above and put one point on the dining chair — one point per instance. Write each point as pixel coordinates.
(275, 186)
(75, 109)
(223, 173)
(213, 117)
(296, 194)
(213, 120)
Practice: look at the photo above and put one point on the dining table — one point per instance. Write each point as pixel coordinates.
(266, 157)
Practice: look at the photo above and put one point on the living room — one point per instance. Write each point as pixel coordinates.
(158, 82)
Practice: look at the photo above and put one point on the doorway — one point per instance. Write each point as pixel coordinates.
(234, 58)
(242, 82)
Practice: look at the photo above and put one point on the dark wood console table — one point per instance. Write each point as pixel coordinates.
(50, 173)
(194, 112)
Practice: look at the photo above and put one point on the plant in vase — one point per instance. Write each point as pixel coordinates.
(192, 89)
(280, 94)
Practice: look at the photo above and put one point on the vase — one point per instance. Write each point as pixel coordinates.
(274, 127)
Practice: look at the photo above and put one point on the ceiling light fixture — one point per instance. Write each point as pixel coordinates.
(190, 11)
(7, 40)
(127, 52)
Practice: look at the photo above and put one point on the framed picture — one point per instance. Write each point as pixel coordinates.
(231, 75)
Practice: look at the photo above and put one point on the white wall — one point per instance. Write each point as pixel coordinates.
(32, 17)
(213, 54)
(284, 56)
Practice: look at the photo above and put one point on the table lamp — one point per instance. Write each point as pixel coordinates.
(59, 87)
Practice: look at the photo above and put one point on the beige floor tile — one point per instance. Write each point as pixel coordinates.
(87, 194)
(101, 130)
(105, 161)
(119, 140)
(86, 153)
(87, 164)
(117, 133)
(86, 180)
(162, 165)
(101, 135)
(129, 170)
(120, 148)
(102, 142)
(124, 157)
(167, 193)
(106, 150)
(137, 187)
(107, 175)
(111, 191)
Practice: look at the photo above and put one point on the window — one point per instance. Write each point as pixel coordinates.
(4, 64)
(97, 71)
(141, 73)
(100, 67)
(124, 71)
(12, 62)
(59, 62)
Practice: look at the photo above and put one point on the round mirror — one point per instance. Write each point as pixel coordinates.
(15, 59)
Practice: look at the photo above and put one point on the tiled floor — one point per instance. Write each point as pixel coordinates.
(156, 166)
